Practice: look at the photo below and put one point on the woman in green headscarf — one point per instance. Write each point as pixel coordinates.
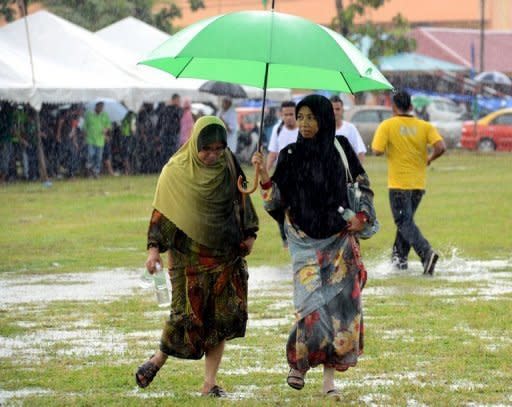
(198, 220)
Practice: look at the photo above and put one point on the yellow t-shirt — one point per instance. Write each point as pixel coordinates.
(404, 140)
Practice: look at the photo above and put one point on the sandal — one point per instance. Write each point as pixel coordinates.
(146, 373)
(216, 391)
(333, 394)
(295, 381)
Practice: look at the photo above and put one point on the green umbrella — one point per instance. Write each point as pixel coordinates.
(267, 49)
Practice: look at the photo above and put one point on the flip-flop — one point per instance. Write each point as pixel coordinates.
(294, 381)
(146, 373)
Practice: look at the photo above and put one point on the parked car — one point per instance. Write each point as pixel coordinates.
(450, 130)
(440, 109)
(367, 118)
(446, 115)
(492, 132)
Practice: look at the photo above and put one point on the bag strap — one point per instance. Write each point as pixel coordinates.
(343, 159)
(279, 128)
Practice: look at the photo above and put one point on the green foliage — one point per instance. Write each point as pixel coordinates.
(388, 41)
(8, 9)
(96, 14)
(385, 40)
(163, 19)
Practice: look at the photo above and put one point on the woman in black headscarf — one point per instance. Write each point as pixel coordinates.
(308, 188)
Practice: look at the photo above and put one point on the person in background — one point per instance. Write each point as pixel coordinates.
(168, 128)
(96, 127)
(20, 142)
(285, 132)
(31, 138)
(6, 135)
(405, 139)
(69, 135)
(207, 235)
(127, 140)
(347, 129)
(269, 121)
(227, 114)
(309, 186)
(186, 122)
(144, 133)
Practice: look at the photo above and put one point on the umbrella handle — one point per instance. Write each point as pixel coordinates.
(240, 183)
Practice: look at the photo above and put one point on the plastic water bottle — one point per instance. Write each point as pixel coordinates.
(162, 286)
(346, 213)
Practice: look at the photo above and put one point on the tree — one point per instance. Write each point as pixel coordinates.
(384, 41)
(7, 10)
(96, 14)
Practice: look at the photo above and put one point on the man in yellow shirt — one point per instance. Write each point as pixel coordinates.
(404, 139)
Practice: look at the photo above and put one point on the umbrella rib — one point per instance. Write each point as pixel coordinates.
(184, 67)
(348, 84)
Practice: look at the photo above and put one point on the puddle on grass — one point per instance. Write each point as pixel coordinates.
(490, 279)
(22, 393)
(493, 278)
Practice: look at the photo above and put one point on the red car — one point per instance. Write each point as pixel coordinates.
(491, 133)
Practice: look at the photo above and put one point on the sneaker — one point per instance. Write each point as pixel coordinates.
(430, 263)
(399, 264)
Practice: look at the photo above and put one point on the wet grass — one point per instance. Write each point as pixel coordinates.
(87, 224)
(433, 342)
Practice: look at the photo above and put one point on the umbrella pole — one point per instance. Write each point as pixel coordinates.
(240, 182)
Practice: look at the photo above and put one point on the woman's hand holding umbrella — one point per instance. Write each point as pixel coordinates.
(260, 167)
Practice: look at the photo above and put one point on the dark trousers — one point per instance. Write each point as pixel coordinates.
(404, 204)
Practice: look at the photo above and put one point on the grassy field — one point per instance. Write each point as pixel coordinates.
(440, 341)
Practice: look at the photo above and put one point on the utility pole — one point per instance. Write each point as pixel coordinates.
(482, 34)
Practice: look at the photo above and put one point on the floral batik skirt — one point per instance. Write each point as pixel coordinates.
(208, 305)
(328, 279)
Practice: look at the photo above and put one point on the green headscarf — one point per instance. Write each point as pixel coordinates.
(198, 198)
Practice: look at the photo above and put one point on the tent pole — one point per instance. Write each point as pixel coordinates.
(40, 152)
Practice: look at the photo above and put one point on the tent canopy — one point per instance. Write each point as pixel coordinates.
(413, 62)
(71, 64)
(138, 39)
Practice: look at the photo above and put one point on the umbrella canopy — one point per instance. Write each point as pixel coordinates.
(493, 77)
(414, 62)
(271, 50)
(223, 89)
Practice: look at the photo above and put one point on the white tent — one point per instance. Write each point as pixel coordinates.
(139, 39)
(136, 39)
(133, 36)
(71, 64)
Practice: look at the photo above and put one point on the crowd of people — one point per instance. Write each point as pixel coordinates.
(79, 142)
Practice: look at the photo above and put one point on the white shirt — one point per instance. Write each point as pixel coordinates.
(230, 117)
(352, 134)
(285, 137)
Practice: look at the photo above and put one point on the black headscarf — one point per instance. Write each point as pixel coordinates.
(311, 177)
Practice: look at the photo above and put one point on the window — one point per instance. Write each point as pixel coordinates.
(504, 119)
(366, 116)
